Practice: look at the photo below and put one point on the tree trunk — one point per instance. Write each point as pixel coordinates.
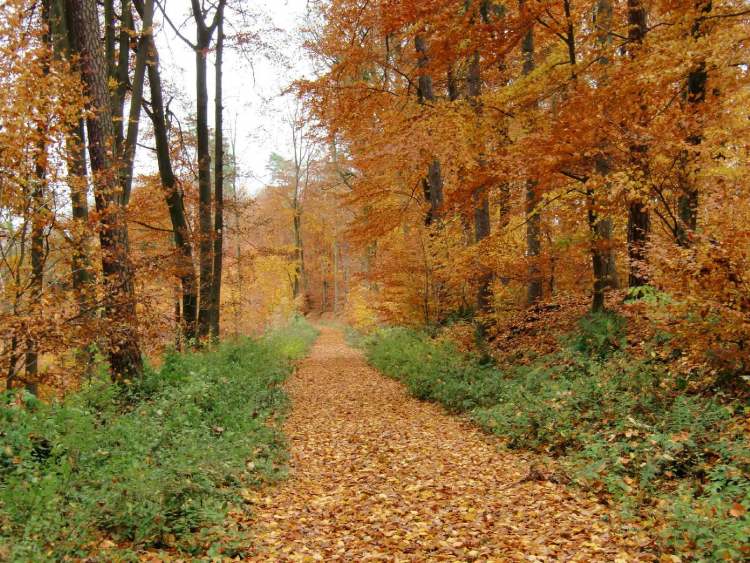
(603, 231)
(299, 254)
(120, 71)
(109, 36)
(12, 354)
(533, 244)
(136, 99)
(639, 220)
(39, 222)
(599, 228)
(533, 219)
(119, 291)
(205, 258)
(172, 194)
(346, 275)
(218, 184)
(481, 232)
(433, 182)
(687, 205)
(177, 321)
(75, 157)
(237, 247)
(335, 252)
(83, 279)
(481, 200)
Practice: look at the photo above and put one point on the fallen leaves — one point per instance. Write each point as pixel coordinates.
(377, 475)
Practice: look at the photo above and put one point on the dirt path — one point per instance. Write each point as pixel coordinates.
(377, 475)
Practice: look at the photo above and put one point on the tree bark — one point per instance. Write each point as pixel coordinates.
(302, 157)
(299, 254)
(205, 249)
(83, 278)
(433, 183)
(480, 198)
(639, 220)
(603, 231)
(533, 219)
(335, 252)
(119, 291)
(237, 246)
(599, 228)
(81, 275)
(218, 249)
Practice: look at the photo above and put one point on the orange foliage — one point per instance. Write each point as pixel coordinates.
(603, 119)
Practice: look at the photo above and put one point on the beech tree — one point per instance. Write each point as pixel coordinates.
(124, 348)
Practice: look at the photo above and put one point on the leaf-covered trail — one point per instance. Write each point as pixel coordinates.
(377, 475)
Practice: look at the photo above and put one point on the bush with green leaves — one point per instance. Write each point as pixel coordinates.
(599, 335)
(621, 425)
(147, 464)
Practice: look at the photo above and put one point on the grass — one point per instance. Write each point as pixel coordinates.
(623, 427)
(154, 464)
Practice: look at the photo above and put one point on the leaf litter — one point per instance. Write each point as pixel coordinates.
(379, 476)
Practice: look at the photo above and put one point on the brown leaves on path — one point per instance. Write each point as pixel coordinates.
(378, 475)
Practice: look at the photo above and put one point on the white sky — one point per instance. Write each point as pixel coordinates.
(252, 103)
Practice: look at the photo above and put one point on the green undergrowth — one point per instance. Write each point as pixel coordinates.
(155, 464)
(623, 427)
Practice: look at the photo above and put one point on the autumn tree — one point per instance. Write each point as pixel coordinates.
(124, 349)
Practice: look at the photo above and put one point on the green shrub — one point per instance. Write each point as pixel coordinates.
(149, 464)
(622, 426)
(433, 371)
(599, 334)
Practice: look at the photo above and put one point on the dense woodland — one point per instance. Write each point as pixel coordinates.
(526, 186)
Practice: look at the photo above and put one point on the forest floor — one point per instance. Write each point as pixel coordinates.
(378, 475)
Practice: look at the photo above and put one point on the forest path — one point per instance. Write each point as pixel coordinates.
(378, 475)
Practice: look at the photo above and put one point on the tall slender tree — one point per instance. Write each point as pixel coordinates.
(480, 195)
(218, 249)
(39, 214)
(533, 219)
(639, 220)
(303, 153)
(173, 193)
(204, 34)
